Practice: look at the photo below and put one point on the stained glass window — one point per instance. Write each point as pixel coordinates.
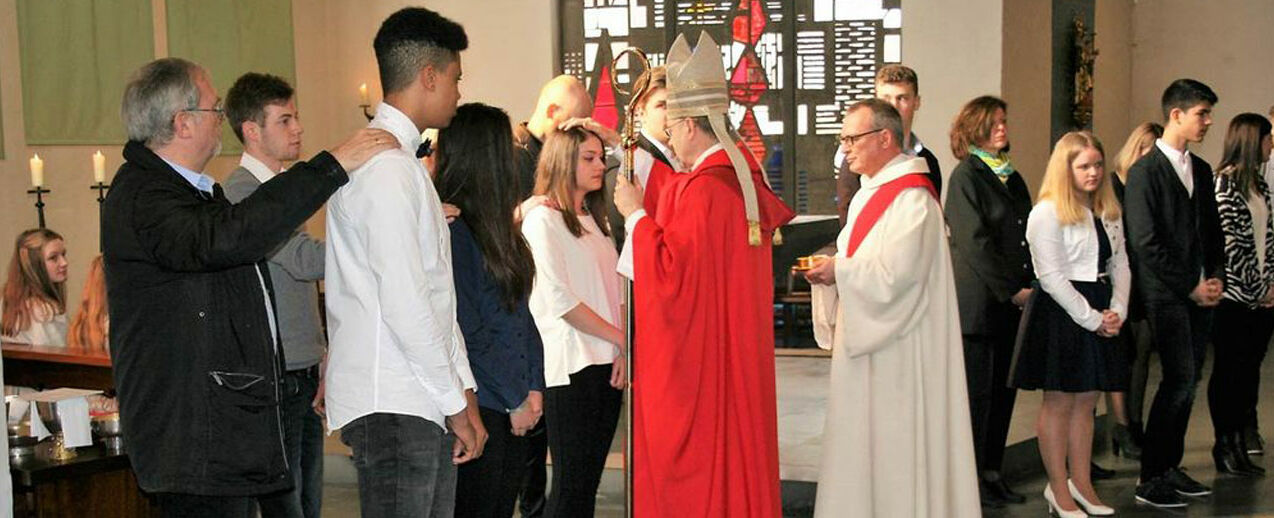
(793, 67)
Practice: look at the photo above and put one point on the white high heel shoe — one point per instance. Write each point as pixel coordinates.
(1054, 510)
(1091, 509)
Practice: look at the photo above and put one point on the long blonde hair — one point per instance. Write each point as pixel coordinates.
(555, 178)
(29, 286)
(1138, 143)
(1059, 183)
(88, 330)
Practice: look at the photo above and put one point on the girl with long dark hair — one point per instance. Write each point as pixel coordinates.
(493, 270)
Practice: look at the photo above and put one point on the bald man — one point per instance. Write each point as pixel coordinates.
(562, 99)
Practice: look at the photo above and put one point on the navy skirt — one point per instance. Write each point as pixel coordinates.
(1055, 353)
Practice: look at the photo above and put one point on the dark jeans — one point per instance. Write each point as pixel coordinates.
(1239, 341)
(177, 505)
(303, 438)
(986, 364)
(1140, 345)
(581, 419)
(404, 466)
(535, 473)
(1180, 333)
(488, 486)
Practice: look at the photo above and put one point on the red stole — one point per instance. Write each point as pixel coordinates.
(879, 201)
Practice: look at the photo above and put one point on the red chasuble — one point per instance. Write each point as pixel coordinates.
(660, 175)
(705, 423)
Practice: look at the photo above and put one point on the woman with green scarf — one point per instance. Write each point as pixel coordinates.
(986, 208)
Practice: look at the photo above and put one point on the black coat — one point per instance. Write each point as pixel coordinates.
(1173, 237)
(989, 256)
(194, 362)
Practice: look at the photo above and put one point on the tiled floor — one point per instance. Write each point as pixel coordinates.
(802, 393)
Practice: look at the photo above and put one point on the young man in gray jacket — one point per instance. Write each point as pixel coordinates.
(262, 111)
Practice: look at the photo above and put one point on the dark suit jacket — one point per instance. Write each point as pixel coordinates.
(1173, 236)
(848, 182)
(194, 361)
(989, 255)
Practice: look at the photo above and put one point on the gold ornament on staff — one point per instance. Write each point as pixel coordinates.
(628, 139)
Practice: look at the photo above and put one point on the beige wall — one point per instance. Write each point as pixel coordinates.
(954, 62)
(1027, 84)
(510, 54)
(1112, 74)
(1224, 43)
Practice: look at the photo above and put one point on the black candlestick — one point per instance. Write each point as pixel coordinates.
(101, 189)
(365, 112)
(39, 192)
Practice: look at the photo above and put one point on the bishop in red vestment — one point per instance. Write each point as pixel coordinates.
(705, 423)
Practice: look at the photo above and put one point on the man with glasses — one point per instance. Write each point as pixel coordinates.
(705, 430)
(195, 352)
(899, 86)
(897, 440)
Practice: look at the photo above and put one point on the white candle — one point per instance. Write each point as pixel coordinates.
(362, 94)
(99, 167)
(37, 171)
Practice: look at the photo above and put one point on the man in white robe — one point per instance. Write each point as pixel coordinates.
(897, 440)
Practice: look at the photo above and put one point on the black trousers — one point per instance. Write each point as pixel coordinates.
(1180, 333)
(534, 473)
(1240, 339)
(986, 363)
(488, 486)
(581, 419)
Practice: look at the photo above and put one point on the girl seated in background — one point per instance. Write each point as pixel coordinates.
(34, 304)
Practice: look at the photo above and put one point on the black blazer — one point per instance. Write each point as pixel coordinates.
(1135, 310)
(989, 255)
(194, 362)
(1173, 237)
(848, 182)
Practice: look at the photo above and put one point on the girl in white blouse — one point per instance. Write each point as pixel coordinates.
(34, 304)
(1067, 348)
(576, 305)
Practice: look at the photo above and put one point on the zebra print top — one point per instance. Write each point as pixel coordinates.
(1245, 280)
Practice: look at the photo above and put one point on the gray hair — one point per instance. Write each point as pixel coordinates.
(154, 95)
(883, 115)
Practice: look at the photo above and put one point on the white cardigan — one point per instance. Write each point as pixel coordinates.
(1069, 253)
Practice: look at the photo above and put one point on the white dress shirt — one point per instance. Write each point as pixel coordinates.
(570, 271)
(1181, 163)
(258, 168)
(395, 346)
(1064, 253)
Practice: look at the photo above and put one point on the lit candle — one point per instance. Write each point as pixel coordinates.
(37, 171)
(362, 94)
(99, 167)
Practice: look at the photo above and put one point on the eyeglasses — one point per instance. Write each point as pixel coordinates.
(669, 125)
(850, 140)
(216, 108)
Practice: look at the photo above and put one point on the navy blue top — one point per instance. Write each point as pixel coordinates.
(505, 351)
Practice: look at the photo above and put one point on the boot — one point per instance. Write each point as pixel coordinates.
(1252, 440)
(1123, 443)
(1241, 455)
(1226, 454)
(1096, 472)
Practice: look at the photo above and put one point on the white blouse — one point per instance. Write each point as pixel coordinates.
(1064, 253)
(46, 329)
(570, 271)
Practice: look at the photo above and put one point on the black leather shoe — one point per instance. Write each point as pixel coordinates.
(1099, 473)
(1004, 492)
(990, 500)
(1241, 455)
(1184, 485)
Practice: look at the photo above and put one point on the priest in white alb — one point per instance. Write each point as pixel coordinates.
(897, 440)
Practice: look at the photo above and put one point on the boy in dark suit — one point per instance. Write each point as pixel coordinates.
(1178, 260)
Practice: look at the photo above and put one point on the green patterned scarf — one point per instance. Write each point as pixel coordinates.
(999, 163)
